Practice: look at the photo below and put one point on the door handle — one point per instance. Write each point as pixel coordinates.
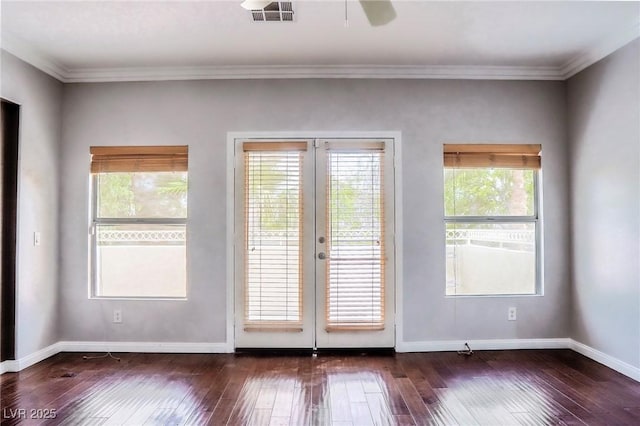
(322, 256)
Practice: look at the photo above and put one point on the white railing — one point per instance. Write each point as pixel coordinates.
(492, 235)
(519, 240)
(355, 234)
(468, 236)
(137, 236)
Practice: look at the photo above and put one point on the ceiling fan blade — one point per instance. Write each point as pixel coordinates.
(255, 4)
(379, 12)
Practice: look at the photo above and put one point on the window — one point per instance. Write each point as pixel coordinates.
(139, 215)
(491, 218)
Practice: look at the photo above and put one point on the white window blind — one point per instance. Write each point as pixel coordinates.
(273, 234)
(355, 239)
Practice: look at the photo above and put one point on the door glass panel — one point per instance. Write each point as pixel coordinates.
(273, 246)
(355, 240)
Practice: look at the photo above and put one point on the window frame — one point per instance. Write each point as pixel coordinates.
(93, 243)
(534, 218)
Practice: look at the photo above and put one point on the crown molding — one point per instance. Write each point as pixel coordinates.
(33, 56)
(57, 70)
(321, 71)
(599, 50)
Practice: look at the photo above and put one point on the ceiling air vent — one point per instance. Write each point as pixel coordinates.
(277, 11)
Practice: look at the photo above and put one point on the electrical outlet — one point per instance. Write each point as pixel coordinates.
(512, 314)
(117, 316)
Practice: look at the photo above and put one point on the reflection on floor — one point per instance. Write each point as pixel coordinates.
(487, 388)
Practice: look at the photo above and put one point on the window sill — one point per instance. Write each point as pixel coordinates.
(161, 299)
(501, 296)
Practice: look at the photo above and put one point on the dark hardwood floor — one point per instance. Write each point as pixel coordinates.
(489, 388)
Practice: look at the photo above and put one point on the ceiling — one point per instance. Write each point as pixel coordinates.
(143, 40)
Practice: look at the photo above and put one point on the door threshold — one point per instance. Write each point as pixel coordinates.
(355, 351)
(259, 352)
(268, 352)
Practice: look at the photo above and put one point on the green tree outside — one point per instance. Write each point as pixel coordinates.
(145, 195)
(488, 192)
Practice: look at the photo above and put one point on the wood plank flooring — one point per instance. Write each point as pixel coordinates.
(488, 388)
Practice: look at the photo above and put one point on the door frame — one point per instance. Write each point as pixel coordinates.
(396, 136)
(11, 169)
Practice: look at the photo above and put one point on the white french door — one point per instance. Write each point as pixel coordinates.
(314, 262)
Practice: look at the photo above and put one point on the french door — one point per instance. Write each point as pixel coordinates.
(314, 261)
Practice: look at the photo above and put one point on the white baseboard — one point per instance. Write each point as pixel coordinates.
(421, 346)
(490, 344)
(29, 360)
(512, 344)
(146, 347)
(7, 366)
(611, 362)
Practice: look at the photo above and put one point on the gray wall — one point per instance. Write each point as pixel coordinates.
(604, 128)
(39, 97)
(200, 113)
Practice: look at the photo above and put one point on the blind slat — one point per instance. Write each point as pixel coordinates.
(112, 159)
(355, 147)
(517, 149)
(270, 146)
(525, 156)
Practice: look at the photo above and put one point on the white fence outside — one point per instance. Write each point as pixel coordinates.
(479, 261)
(490, 261)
